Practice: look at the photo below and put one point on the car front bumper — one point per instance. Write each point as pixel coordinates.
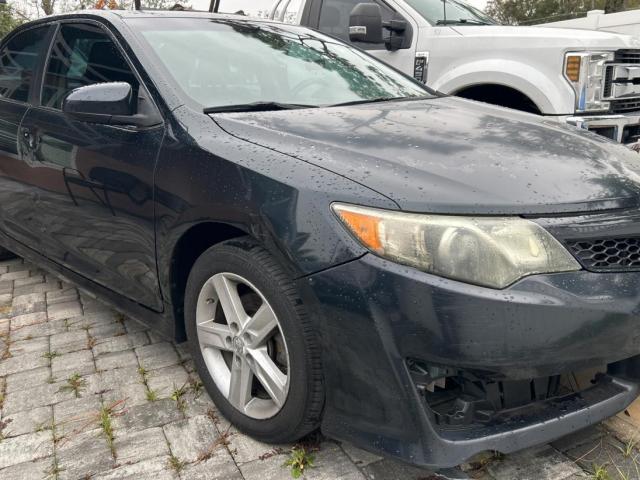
(373, 315)
(623, 128)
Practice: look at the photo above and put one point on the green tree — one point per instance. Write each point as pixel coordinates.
(9, 19)
(516, 12)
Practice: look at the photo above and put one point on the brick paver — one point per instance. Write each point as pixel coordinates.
(88, 393)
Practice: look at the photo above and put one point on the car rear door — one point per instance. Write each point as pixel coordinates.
(97, 207)
(21, 55)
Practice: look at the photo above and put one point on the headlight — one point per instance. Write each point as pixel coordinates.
(488, 251)
(585, 72)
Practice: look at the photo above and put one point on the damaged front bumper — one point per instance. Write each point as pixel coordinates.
(505, 350)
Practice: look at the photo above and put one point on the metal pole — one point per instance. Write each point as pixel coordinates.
(213, 6)
(136, 4)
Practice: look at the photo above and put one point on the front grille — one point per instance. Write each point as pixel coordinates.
(607, 254)
(627, 56)
(623, 106)
(608, 82)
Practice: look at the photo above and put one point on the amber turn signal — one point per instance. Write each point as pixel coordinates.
(363, 226)
(572, 69)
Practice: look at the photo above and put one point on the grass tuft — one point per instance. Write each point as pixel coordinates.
(299, 461)
(600, 472)
(75, 383)
(152, 395)
(51, 355)
(176, 464)
(178, 396)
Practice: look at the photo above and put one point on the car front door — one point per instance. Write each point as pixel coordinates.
(97, 209)
(20, 56)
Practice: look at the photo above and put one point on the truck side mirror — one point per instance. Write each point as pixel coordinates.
(365, 23)
(397, 28)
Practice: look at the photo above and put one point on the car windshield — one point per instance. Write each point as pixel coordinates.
(225, 62)
(450, 12)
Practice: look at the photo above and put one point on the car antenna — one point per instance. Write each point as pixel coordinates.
(213, 6)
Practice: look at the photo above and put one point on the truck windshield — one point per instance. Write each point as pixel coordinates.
(450, 12)
(231, 63)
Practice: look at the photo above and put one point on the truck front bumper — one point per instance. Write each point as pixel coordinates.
(623, 128)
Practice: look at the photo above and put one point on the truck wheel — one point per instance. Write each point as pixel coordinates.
(252, 342)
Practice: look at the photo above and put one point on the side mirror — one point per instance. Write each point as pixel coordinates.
(397, 28)
(365, 23)
(110, 103)
(100, 102)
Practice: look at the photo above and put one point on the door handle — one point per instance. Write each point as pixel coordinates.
(30, 137)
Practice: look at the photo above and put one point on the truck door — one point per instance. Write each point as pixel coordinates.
(332, 17)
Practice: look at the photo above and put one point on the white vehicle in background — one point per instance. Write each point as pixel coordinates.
(627, 22)
(586, 78)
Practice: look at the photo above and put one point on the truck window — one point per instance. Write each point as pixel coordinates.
(334, 19)
(292, 11)
(277, 15)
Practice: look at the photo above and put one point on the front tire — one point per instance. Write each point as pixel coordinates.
(252, 342)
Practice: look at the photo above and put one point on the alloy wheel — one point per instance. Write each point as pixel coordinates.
(242, 345)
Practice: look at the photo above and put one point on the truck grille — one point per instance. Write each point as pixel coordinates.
(627, 56)
(607, 254)
(622, 81)
(623, 106)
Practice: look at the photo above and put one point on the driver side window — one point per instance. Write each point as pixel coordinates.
(82, 55)
(334, 20)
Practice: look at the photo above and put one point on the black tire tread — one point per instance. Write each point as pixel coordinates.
(266, 262)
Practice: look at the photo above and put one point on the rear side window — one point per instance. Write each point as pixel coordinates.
(82, 55)
(18, 61)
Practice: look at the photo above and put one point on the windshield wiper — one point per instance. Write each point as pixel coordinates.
(377, 100)
(256, 107)
(461, 21)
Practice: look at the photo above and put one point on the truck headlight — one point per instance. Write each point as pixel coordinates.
(487, 251)
(585, 71)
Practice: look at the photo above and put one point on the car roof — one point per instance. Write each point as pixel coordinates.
(125, 14)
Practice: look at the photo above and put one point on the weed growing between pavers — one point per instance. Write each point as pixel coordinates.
(4, 432)
(104, 421)
(196, 386)
(299, 461)
(151, 395)
(178, 396)
(176, 464)
(54, 471)
(6, 340)
(221, 441)
(75, 383)
(51, 355)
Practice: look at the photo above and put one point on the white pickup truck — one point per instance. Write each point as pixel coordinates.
(586, 78)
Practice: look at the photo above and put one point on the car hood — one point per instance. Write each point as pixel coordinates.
(448, 155)
(562, 37)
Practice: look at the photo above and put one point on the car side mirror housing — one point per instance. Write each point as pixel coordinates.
(365, 23)
(110, 103)
(99, 101)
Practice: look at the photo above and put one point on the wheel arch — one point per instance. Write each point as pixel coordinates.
(191, 244)
(546, 88)
(501, 95)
